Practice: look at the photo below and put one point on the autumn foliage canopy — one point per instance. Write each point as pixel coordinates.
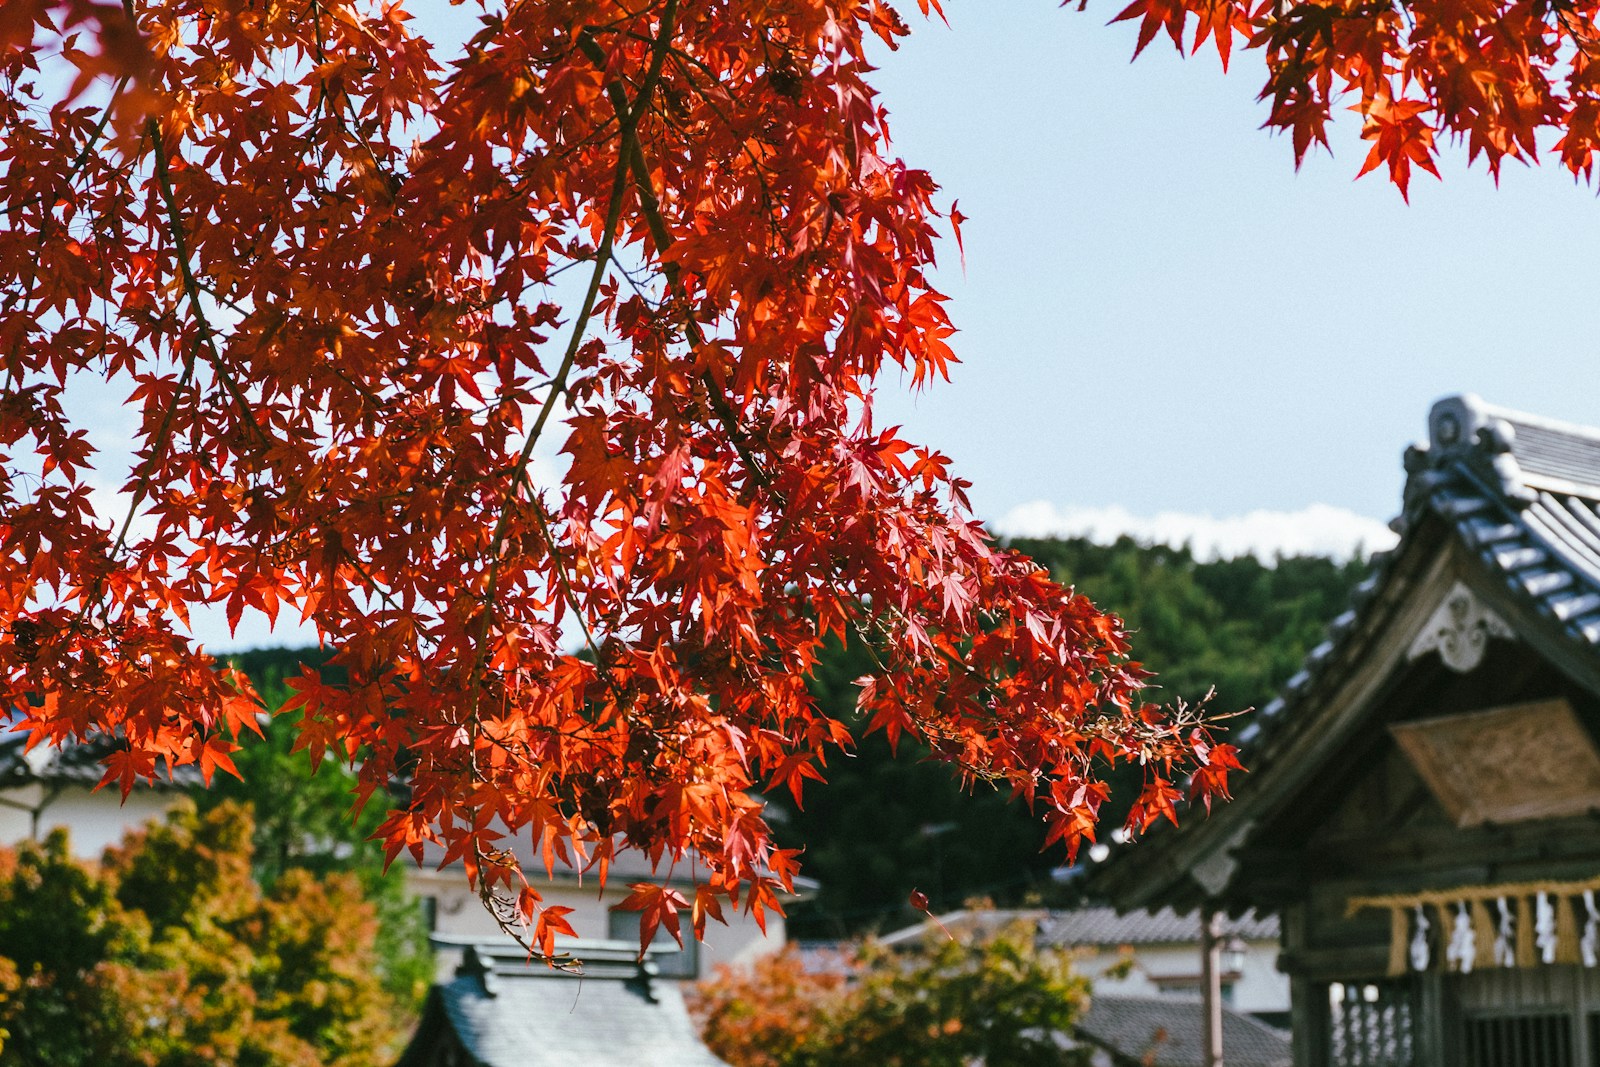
(358, 291)
(1493, 74)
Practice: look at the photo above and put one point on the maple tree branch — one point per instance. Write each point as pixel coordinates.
(685, 60)
(630, 117)
(571, 595)
(191, 287)
(181, 252)
(206, 339)
(1586, 41)
(82, 157)
(391, 176)
(650, 210)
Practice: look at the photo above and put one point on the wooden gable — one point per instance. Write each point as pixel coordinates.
(1423, 803)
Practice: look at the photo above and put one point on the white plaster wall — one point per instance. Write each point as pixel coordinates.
(1259, 987)
(16, 824)
(460, 913)
(98, 820)
(93, 820)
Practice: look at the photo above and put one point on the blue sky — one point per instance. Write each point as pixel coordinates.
(1160, 315)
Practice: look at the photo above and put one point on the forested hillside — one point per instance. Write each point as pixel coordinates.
(1235, 624)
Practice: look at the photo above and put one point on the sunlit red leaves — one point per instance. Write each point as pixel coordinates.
(98, 39)
(334, 309)
(551, 921)
(1400, 137)
(658, 907)
(1210, 776)
(1158, 799)
(1491, 73)
(1577, 146)
(1156, 16)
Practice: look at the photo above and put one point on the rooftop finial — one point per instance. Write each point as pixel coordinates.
(478, 965)
(1455, 421)
(1463, 427)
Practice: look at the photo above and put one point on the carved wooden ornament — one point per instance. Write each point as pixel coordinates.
(1459, 628)
(1527, 761)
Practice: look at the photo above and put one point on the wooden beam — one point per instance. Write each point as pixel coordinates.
(1211, 983)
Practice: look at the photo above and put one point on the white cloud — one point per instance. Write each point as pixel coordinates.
(1319, 529)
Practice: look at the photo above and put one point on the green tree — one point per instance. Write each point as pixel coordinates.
(61, 928)
(169, 954)
(987, 1000)
(1239, 625)
(304, 820)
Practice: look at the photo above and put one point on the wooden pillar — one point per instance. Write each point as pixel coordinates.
(1311, 1014)
(1211, 983)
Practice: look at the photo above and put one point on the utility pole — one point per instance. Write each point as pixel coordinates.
(1211, 983)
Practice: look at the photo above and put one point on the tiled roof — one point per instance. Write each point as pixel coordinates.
(1169, 1032)
(1103, 926)
(1095, 926)
(964, 922)
(78, 764)
(1520, 491)
(508, 1012)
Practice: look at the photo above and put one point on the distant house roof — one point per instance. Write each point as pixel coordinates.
(1516, 498)
(1103, 926)
(73, 764)
(1096, 926)
(1169, 1032)
(502, 1010)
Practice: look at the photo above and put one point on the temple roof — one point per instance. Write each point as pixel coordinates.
(503, 1010)
(1103, 926)
(1511, 502)
(1094, 926)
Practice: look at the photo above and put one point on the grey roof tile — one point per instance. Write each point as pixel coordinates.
(1168, 1032)
(1095, 927)
(507, 1012)
(1103, 926)
(1546, 583)
(1489, 532)
(1570, 607)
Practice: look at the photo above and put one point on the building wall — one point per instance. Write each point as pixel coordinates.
(1154, 970)
(93, 820)
(458, 912)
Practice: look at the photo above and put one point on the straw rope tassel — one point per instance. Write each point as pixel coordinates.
(1527, 951)
(1483, 933)
(1567, 932)
(1443, 922)
(1399, 939)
